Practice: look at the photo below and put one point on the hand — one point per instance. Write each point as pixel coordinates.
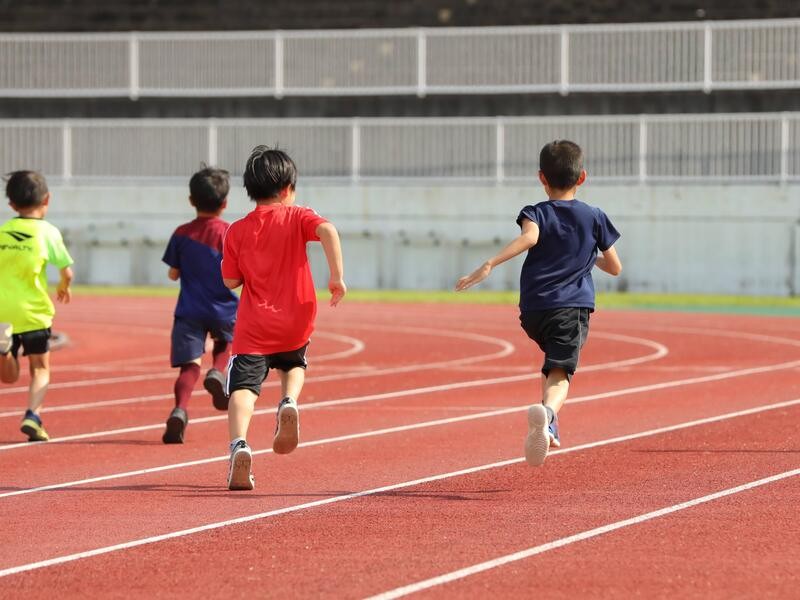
(475, 277)
(63, 293)
(337, 289)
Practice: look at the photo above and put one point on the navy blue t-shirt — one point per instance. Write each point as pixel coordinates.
(196, 250)
(557, 272)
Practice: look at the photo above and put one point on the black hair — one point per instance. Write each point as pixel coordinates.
(561, 163)
(208, 188)
(26, 189)
(267, 172)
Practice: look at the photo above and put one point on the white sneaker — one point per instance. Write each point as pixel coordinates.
(240, 477)
(6, 339)
(537, 443)
(287, 428)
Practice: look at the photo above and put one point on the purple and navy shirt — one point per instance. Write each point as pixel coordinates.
(196, 250)
(557, 272)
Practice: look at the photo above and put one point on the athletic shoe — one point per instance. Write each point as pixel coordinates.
(552, 432)
(215, 385)
(34, 429)
(287, 428)
(240, 477)
(6, 339)
(538, 441)
(176, 425)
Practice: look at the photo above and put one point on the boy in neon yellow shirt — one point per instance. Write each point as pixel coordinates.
(27, 244)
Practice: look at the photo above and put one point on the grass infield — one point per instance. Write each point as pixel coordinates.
(767, 305)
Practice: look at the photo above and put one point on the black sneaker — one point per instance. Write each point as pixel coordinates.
(215, 385)
(240, 477)
(176, 425)
(287, 428)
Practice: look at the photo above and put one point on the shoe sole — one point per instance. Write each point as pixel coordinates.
(240, 477)
(174, 432)
(217, 390)
(34, 435)
(538, 441)
(288, 433)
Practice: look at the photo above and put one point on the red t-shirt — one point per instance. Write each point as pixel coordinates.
(267, 251)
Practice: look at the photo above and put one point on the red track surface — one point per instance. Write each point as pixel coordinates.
(401, 393)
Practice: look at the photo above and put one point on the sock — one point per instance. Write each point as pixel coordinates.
(234, 442)
(550, 414)
(220, 355)
(29, 414)
(184, 384)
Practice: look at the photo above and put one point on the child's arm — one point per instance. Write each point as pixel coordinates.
(609, 262)
(63, 293)
(332, 247)
(174, 274)
(525, 241)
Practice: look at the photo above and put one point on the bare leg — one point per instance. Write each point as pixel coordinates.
(554, 389)
(40, 379)
(9, 368)
(292, 382)
(240, 411)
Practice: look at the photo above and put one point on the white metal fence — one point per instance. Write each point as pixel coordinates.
(653, 148)
(705, 56)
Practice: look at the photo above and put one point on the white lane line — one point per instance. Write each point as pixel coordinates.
(373, 491)
(578, 537)
(660, 351)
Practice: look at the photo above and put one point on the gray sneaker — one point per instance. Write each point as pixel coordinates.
(240, 476)
(287, 428)
(215, 385)
(537, 443)
(176, 426)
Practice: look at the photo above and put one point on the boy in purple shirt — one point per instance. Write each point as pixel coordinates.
(562, 237)
(205, 306)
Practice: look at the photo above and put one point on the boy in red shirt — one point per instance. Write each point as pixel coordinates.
(265, 252)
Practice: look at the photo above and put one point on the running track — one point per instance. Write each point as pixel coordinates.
(679, 474)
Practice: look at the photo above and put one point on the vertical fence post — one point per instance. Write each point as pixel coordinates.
(500, 141)
(133, 66)
(708, 45)
(784, 177)
(355, 151)
(563, 87)
(279, 84)
(66, 151)
(213, 145)
(422, 61)
(642, 149)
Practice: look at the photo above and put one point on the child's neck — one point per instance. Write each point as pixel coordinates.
(568, 194)
(201, 214)
(268, 201)
(32, 213)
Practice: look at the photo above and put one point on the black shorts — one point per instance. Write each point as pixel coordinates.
(560, 333)
(32, 342)
(248, 371)
(189, 338)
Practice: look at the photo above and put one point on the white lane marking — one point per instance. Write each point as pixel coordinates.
(660, 351)
(373, 491)
(578, 537)
(356, 347)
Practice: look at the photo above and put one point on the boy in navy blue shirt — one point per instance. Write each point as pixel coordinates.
(205, 306)
(562, 237)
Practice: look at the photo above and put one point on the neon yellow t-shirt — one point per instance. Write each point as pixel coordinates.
(27, 245)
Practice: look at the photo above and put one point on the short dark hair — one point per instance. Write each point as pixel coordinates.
(268, 171)
(26, 189)
(561, 163)
(208, 188)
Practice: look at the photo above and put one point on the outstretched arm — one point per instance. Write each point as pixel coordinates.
(609, 262)
(526, 240)
(332, 247)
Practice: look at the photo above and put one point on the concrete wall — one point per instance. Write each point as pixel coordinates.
(737, 239)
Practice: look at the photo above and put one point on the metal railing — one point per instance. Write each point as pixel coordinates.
(706, 56)
(636, 148)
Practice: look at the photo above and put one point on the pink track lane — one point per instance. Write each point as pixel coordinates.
(146, 505)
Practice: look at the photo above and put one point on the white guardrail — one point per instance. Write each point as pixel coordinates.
(711, 55)
(637, 148)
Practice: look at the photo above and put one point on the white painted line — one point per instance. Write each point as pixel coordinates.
(373, 491)
(578, 537)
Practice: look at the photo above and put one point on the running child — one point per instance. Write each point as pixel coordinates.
(28, 244)
(562, 237)
(265, 252)
(205, 306)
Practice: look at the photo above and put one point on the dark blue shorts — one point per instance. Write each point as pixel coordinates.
(189, 338)
(32, 342)
(560, 333)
